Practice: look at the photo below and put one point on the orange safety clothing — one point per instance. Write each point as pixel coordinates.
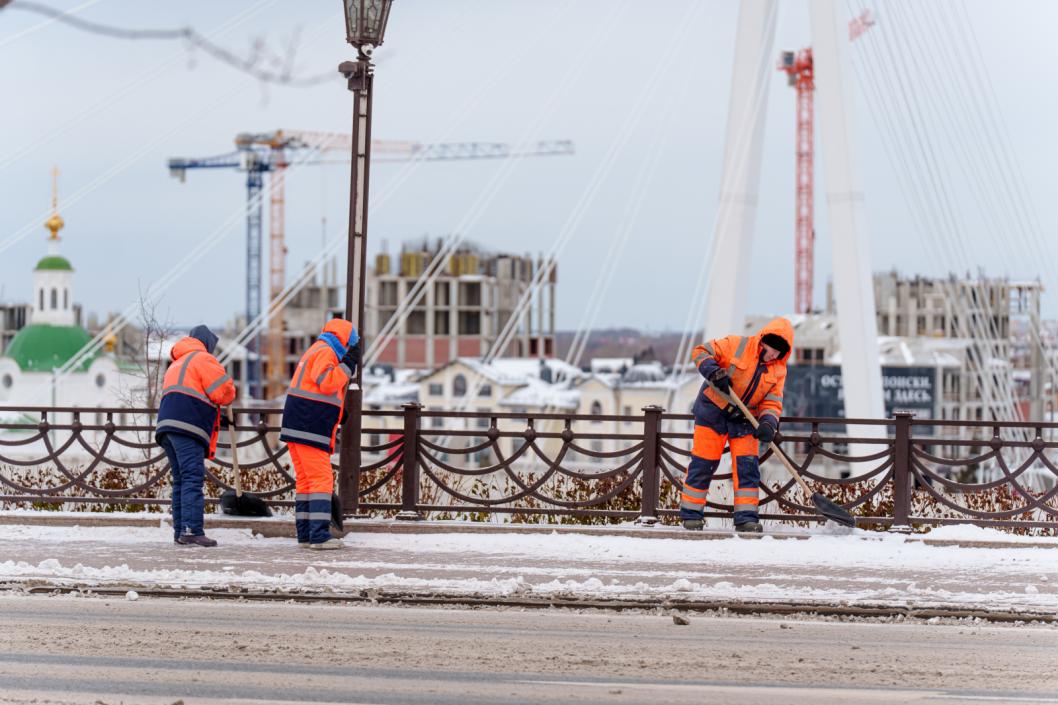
(195, 386)
(316, 397)
(740, 356)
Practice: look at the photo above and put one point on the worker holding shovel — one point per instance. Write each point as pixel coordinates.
(753, 368)
(193, 390)
(311, 416)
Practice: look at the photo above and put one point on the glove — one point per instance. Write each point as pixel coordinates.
(721, 381)
(352, 356)
(765, 432)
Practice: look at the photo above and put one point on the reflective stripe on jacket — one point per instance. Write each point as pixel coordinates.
(759, 384)
(313, 408)
(195, 386)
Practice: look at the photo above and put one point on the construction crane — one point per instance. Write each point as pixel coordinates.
(798, 69)
(260, 153)
(800, 75)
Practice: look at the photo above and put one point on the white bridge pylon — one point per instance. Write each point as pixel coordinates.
(729, 275)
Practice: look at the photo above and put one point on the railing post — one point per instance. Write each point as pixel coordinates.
(410, 464)
(350, 456)
(651, 477)
(902, 472)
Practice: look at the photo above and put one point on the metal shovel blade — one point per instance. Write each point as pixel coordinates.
(243, 505)
(831, 510)
(337, 522)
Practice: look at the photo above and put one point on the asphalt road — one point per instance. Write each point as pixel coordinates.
(95, 651)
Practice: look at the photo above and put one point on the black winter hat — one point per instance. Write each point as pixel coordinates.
(777, 342)
(206, 336)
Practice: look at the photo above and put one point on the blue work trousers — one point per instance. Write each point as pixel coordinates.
(187, 458)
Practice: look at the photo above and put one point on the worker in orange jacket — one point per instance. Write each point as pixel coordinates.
(754, 368)
(311, 416)
(195, 386)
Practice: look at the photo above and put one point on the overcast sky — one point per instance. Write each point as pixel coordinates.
(502, 70)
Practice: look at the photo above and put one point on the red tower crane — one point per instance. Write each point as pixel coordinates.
(798, 69)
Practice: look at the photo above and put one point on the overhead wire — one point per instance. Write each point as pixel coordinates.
(41, 25)
(1008, 166)
(740, 160)
(379, 199)
(78, 117)
(159, 285)
(934, 223)
(919, 73)
(1000, 403)
(602, 172)
(468, 221)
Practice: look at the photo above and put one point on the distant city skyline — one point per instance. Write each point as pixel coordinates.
(470, 70)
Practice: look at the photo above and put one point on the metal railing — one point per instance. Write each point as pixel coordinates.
(897, 472)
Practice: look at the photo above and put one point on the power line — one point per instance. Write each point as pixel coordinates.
(192, 37)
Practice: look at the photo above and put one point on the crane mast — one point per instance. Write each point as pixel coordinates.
(258, 153)
(798, 69)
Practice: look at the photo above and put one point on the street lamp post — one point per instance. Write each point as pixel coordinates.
(365, 24)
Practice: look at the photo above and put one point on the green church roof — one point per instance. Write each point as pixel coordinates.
(55, 262)
(42, 348)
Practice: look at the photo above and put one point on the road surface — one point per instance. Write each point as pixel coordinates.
(92, 651)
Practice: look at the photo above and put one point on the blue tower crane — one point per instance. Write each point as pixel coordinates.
(271, 152)
(255, 161)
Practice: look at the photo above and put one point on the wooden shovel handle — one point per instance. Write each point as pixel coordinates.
(234, 453)
(734, 399)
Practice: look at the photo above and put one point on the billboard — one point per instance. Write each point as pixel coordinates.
(816, 390)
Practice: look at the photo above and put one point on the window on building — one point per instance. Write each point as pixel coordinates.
(459, 386)
(483, 422)
(440, 323)
(416, 323)
(442, 294)
(436, 389)
(470, 293)
(66, 299)
(388, 294)
(41, 306)
(485, 390)
(54, 298)
(437, 421)
(596, 409)
(469, 323)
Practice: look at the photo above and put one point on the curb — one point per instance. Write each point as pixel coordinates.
(283, 527)
(664, 606)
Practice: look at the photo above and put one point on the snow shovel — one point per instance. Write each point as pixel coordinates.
(826, 507)
(236, 502)
(337, 521)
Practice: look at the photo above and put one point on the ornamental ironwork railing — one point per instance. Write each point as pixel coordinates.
(482, 465)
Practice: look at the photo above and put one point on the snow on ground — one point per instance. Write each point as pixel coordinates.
(864, 568)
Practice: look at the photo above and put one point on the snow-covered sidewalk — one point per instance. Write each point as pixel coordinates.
(860, 569)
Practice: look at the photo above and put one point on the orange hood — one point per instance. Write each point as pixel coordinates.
(782, 328)
(186, 345)
(343, 329)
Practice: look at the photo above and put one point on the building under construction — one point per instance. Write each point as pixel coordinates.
(464, 310)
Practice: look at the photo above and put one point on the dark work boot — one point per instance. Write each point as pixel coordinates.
(203, 541)
(749, 527)
(693, 524)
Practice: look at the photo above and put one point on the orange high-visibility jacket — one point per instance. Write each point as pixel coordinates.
(196, 385)
(313, 408)
(740, 356)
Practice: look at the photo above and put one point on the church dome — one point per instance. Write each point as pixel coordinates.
(54, 262)
(41, 348)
